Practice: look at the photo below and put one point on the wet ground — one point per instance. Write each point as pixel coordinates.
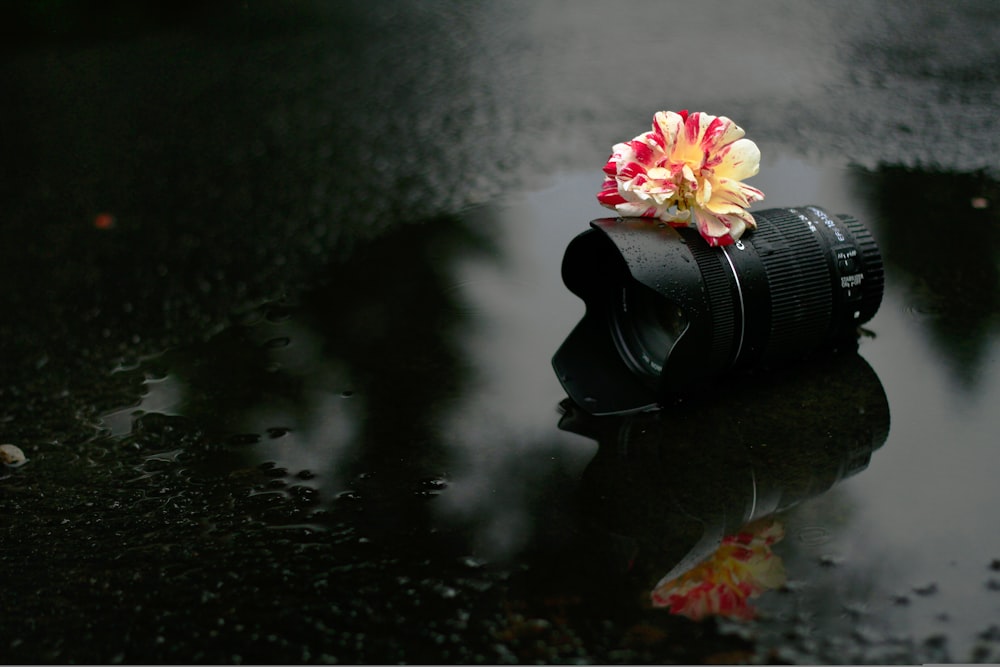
(281, 291)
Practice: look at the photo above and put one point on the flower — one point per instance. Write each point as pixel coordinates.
(740, 569)
(687, 171)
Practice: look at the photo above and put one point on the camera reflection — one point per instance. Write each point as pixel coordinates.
(687, 499)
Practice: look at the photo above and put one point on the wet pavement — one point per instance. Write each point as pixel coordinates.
(281, 293)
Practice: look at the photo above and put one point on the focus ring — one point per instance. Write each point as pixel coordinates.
(720, 297)
(871, 264)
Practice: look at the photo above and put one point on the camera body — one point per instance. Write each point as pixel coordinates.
(667, 314)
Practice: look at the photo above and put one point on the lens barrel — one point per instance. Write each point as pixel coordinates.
(667, 313)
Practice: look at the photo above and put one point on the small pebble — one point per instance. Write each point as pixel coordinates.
(11, 455)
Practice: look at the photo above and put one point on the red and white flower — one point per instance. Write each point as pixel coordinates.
(686, 171)
(742, 568)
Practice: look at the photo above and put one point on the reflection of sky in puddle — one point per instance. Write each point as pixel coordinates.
(163, 395)
(926, 509)
(921, 514)
(523, 314)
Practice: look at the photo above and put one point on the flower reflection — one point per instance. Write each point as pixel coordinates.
(740, 569)
(687, 171)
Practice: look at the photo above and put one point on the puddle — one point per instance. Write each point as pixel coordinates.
(406, 406)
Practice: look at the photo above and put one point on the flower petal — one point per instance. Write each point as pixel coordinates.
(720, 207)
(666, 126)
(695, 126)
(609, 195)
(675, 217)
(629, 170)
(643, 153)
(740, 159)
(726, 191)
(720, 132)
(719, 229)
(725, 228)
(631, 209)
(704, 194)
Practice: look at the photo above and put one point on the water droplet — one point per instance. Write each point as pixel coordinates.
(277, 431)
(446, 592)
(249, 318)
(472, 562)
(271, 469)
(829, 560)
(926, 589)
(925, 309)
(430, 487)
(347, 393)
(281, 341)
(814, 536)
(304, 495)
(435, 483)
(243, 439)
(278, 314)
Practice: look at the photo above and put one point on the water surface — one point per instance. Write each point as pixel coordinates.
(415, 385)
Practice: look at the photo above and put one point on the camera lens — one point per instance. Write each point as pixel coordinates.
(644, 328)
(667, 314)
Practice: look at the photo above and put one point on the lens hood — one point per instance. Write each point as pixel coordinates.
(596, 264)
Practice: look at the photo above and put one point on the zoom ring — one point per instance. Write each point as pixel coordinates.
(799, 277)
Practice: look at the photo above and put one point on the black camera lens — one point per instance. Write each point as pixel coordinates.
(667, 314)
(644, 327)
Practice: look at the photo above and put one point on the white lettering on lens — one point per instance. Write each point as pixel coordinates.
(828, 222)
(809, 223)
